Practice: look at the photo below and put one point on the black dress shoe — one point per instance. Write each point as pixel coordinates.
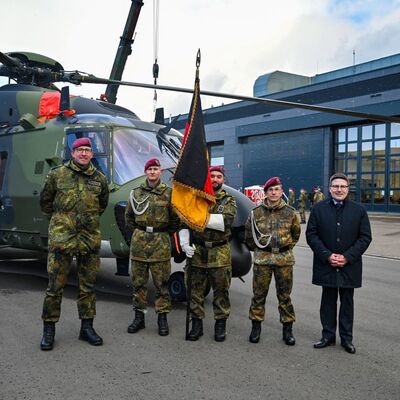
(349, 347)
(324, 342)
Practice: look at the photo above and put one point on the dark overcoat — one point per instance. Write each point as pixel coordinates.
(345, 230)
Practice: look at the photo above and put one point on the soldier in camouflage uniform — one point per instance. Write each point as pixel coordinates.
(211, 262)
(150, 217)
(318, 195)
(74, 196)
(272, 230)
(302, 202)
(292, 197)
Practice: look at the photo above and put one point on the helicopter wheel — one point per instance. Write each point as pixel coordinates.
(176, 286)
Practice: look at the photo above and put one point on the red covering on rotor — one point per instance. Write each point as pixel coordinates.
(49, 106)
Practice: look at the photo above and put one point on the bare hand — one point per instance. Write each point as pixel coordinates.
(337, 260)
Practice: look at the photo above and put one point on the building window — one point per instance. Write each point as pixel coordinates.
(395, 146)
(394, 197)
(216, 152)
(380, 131)
(352, 134)
(394, 130)
(366, 132)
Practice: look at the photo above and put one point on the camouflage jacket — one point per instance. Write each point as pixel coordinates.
(302, 200)
(151, 246)
(279, 223)
(318, 196)
(219, 256)
(74, 199)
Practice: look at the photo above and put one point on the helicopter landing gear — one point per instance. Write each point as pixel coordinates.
(122, 267)
(177, 287)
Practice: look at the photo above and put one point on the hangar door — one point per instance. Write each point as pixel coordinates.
(297, 157)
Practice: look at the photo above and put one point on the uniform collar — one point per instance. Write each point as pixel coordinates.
(280, 205)
(90, 170)
(159, 188)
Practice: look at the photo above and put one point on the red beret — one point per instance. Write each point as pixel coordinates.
(151, 163)
(218, 168)
(274, 181)
(81, 142)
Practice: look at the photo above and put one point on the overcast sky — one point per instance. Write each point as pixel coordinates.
(239, 41)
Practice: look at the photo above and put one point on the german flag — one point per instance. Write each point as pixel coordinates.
(192, 191)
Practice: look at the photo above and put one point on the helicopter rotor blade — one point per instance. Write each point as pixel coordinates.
(77, 78)
(282, 103)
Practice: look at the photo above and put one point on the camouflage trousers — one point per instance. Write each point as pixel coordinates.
(220, 281)
(160, 272)
(262, 275)
(58, 268)
(302, 214)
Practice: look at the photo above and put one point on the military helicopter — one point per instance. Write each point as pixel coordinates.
(38, 125)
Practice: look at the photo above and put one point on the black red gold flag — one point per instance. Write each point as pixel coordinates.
(192, 191)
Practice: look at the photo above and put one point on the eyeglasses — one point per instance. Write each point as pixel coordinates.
(83, 150)
(337, 187)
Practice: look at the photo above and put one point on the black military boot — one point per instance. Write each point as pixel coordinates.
(88, 333)
(287, 334)
(163, 329)
(197, 329)
(220, 330)
(255, 332)
(138, 322)
(49, 331)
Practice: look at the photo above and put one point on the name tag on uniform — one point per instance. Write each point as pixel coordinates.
(94, 183)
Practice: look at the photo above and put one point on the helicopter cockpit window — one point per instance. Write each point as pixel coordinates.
(99, 139)
(132, 148)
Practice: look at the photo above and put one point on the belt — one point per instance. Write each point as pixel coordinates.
(210, 245)
(151, 229)
(276, 250)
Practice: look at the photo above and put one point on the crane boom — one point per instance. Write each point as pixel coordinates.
(124, 49)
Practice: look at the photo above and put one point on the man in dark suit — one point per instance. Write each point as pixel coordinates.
(338, 233)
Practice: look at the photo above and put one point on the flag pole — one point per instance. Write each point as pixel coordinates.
(188, 288)
(189, 260)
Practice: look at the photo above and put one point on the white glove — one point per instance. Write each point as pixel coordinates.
(184, 241)
(216, 222)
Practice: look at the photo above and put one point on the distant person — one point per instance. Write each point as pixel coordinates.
(318, 195)
(212, 260)
(292, 197)
(302, 203)
(150, 217)
(338, 233)
(272, 230)
(74, 196)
